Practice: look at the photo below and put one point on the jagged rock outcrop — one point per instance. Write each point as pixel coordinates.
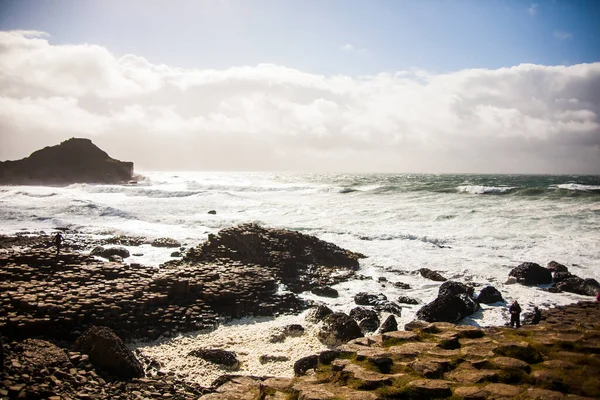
(531, 274)
(368, 320)
(299, 261)
(108, 353)
(454, 302)
(76, 160)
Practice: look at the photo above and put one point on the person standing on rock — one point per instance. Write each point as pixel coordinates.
(58, 238)
(515, 314)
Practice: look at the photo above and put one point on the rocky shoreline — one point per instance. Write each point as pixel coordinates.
(48, 303)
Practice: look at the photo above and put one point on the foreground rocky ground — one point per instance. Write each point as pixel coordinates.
(49, 304)
(557, 359)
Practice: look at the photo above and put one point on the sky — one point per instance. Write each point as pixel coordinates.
(312, 85)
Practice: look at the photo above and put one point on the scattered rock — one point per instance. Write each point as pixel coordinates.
(338, 328)
(217, 356)
(212, 212)
(304, 364)
(318, 313)
(110, 251)
(531, 274)
(429, 274)
(368, 320)
(553, 266)
(390, 324)
(407, 300)
(367, 299)
(325, 291)
(575, 284)
(165, 242)
(108, 352)
(264, 359)
(489, 295)
(454, 302)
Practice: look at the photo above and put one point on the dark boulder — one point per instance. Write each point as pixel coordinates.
(305, 363)
(561, 276)
(107, 252)
(217, 356)
(75, 160)
(553, 266)
(575, 284)
(531, 274)
(401, 285)
(326, 357)
(429, 274)
(368, 320)
(388, 307)
(325, 291)
(452, 288)
(489, 295)
(318, 313)
(407, 300)
(367, 299)
(390, 324)
(338, 328)
(108, 353)
(213, 212)
(454, 302)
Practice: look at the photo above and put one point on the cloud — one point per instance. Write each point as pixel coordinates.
(562, 35)
(533, 9)
(527, 118)
(351, 48)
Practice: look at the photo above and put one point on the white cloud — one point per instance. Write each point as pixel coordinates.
(562, 35)
(351, 48)
(533, 9)
(273, 117)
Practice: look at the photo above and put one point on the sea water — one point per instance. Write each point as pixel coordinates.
(470, 228)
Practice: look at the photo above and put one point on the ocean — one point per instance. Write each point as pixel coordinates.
(470, 228)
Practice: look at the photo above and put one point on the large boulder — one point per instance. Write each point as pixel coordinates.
(318, 313)
(390, 324)
(575, 284)
(429, 274)
(489, 295)
(108, 353)
(338, 328)
(368, 320)
(165, 242)
(531, 274)
(76, 160)
(454, 302)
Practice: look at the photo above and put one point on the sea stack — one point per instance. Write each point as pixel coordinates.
(76, 160)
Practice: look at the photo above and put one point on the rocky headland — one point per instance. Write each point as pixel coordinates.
(76, 160)
(64, 319)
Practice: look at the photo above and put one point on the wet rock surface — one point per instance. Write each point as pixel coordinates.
(530, 273)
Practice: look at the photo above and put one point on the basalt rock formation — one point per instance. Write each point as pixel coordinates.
(75, 160)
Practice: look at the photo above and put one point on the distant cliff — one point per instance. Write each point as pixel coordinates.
(73, 161)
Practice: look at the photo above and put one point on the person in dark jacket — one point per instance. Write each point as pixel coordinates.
(58, 239)
(515, 314)
(537, 316)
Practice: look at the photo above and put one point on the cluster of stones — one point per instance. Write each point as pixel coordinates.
(38, 369)
(558, 275)
(557, 359)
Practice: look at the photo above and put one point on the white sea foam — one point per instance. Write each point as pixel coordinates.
(478, 189)
(578, 187)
